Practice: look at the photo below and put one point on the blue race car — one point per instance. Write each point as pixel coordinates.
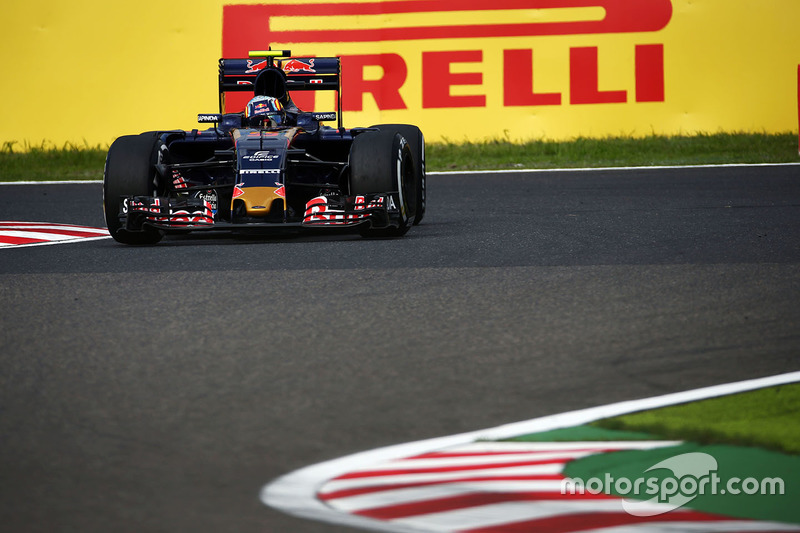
(268, 168)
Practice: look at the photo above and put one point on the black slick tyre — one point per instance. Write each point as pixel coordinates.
(416, 142)
(381, 162)
(130, 171)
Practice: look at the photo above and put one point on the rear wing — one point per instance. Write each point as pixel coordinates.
(275, 73)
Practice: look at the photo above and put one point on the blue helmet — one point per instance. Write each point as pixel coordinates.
(264, 111)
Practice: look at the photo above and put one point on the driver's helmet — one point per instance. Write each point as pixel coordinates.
(264, 112)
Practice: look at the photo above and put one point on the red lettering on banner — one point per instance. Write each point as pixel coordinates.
(437, 79)
(518, 81)
(248, 26)
(583, 79)
(650, 73)
(385, 91)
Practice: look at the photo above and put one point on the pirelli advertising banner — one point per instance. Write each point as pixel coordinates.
(460, 69)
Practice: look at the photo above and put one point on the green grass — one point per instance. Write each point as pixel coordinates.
(47, 162)
(722, 148)
(765, 418)
(75, 162)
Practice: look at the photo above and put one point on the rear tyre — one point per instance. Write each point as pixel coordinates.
(130, 171)
(416, 142)
(381, 162)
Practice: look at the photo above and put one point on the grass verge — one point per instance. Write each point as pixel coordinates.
(75, 162)
(765, 418)
(51, 163)
(656, 150)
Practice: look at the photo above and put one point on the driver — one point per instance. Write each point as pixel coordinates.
(265, 112)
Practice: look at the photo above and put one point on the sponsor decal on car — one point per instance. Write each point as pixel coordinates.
(253, 67)
(163, 213)
(324, 116)
(297, 65)
(263, 155)
(260, 171)
(211, 198)
(209, 118)
(320, 211)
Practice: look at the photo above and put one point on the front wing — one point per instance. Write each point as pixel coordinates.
(139, 213)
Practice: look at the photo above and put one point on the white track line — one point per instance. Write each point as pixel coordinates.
(599, 169)
(501, 171)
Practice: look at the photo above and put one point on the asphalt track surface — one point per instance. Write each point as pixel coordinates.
(160, 388)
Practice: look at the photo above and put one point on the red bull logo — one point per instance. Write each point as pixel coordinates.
(253, 67)
(295, 65)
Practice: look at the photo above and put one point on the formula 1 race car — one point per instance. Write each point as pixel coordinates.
(269, 167)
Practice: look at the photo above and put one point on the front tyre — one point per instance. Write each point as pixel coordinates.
(381, 163)
(416, 141)
(130, 171)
